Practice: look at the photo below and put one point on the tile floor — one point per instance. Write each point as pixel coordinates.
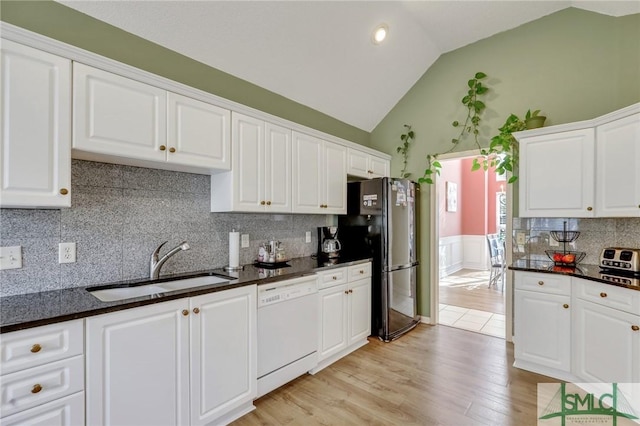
(472, 320)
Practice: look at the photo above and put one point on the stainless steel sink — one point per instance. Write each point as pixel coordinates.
(123, 292)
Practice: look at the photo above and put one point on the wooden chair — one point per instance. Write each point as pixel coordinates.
(496, 257)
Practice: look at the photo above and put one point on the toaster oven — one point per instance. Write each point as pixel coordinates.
(620, 260)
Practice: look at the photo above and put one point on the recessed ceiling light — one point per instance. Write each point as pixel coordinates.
(380, 33)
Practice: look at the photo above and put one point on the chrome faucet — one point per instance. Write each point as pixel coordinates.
(155, 265)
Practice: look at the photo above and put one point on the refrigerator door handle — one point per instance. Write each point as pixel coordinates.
(399, 267)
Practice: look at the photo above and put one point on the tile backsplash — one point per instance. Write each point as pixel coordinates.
(595, 234)
(120, 214)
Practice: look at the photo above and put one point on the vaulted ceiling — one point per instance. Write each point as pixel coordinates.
(320, 53)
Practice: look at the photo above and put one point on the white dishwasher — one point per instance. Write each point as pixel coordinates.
(288, 313)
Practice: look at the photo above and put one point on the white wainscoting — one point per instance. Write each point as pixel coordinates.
(463, 252)
(451, 254)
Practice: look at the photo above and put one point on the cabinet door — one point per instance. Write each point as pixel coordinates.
(333, 326)
(35, 147)
(335, 178)
(557, 175)
(67, 411)
(248, 163)
(542, 329)
(137, 366)
(358, 163)
(307, 174)
(198, 132)
(277, 175)
(359, 310)
(223, 352)
(117, 116)
(379, 167)
(618, 157)
(606, 347)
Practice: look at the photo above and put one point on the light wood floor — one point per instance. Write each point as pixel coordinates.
(469, 289)
(434, 375)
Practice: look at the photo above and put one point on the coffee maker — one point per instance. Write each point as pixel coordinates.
(328, 244)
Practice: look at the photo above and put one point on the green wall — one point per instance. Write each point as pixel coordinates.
(70, 26)
(573, 65)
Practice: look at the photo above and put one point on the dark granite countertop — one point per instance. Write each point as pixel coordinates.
(588, 272)
(37, 309)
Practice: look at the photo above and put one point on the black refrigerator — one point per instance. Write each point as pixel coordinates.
(381, 223)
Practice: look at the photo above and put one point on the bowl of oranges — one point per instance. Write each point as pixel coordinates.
(565, 257)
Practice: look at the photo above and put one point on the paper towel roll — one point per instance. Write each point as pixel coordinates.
(234, 249)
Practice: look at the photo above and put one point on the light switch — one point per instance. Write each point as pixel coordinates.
(520, 238)
(11, 257)
(244, 240)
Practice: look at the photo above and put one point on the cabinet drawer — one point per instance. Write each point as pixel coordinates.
(623, 299)
(333, 277)
(38, 385)
(67, 411)
(37, 346)
(360, 271)
(545, 283)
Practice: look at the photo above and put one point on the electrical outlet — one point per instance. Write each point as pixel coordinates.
(11, 257)
(307, 237)
(244, 240)
(521, 238)
(66, 252)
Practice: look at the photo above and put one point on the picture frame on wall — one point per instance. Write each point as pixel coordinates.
(452, 197)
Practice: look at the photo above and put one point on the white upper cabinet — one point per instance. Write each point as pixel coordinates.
(618, 170)
(585, 169)
(557, 174)
(121, 120)
(197, 133)
(277, 177)
(364, 165)
(35, 147)
(319, 175)
(260, 179)
(117, 116)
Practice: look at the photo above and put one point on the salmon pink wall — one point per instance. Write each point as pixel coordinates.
(450, 222)
(476, 213)
(474, 200)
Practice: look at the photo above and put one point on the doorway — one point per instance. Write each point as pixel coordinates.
(468, 292)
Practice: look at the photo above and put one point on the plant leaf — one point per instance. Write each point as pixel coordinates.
(475, 166)
(512, 179)
(436, 164)
(471, 83)
(455, 124)
(480, 75)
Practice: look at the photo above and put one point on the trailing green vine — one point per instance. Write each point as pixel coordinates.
(502, 153)
(406, 139)
(471, 124)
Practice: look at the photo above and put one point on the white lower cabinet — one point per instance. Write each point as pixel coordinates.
(345, 313)
(189, 361)
(543, 330)
(68, 411)
(606, 336)
(43, 378)
(575, 329)
(542, 323)
(606, 344)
